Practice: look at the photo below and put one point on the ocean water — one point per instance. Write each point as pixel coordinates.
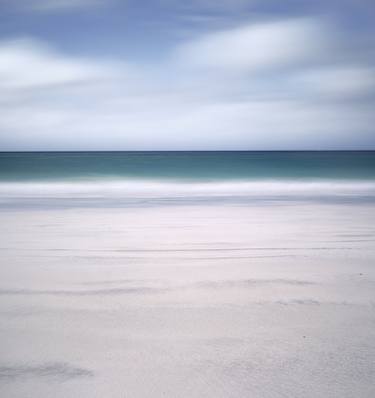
(143, 178)
(187, 166)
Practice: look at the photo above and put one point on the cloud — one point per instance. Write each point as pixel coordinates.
(339, 82)
(28, 63)
(53, 5)
(213, 5)
(257, 47)
(272, 85)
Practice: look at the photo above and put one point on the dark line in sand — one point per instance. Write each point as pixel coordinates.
(246, 283)
(58, 371)
(181, 250)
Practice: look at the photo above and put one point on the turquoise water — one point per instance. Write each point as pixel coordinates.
(139, 178)
(187, 166)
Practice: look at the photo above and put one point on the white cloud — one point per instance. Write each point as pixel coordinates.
(164, 106)
(28, 64)
(171, 124)
(256, 47)
(348, 81)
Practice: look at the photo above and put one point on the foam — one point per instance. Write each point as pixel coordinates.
(151, 188)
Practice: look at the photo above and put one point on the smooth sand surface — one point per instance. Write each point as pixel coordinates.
(272, 300)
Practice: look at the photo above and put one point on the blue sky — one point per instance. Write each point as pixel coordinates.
(173, 75)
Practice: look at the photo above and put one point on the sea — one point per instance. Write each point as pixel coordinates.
(162, 178)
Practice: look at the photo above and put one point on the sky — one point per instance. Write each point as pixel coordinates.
(187, 75)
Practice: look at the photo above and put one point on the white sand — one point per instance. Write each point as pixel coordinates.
(201, 301)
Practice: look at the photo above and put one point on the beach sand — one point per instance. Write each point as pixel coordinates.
(266, 300)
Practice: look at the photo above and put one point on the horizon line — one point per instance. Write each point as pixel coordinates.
(186, 150)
